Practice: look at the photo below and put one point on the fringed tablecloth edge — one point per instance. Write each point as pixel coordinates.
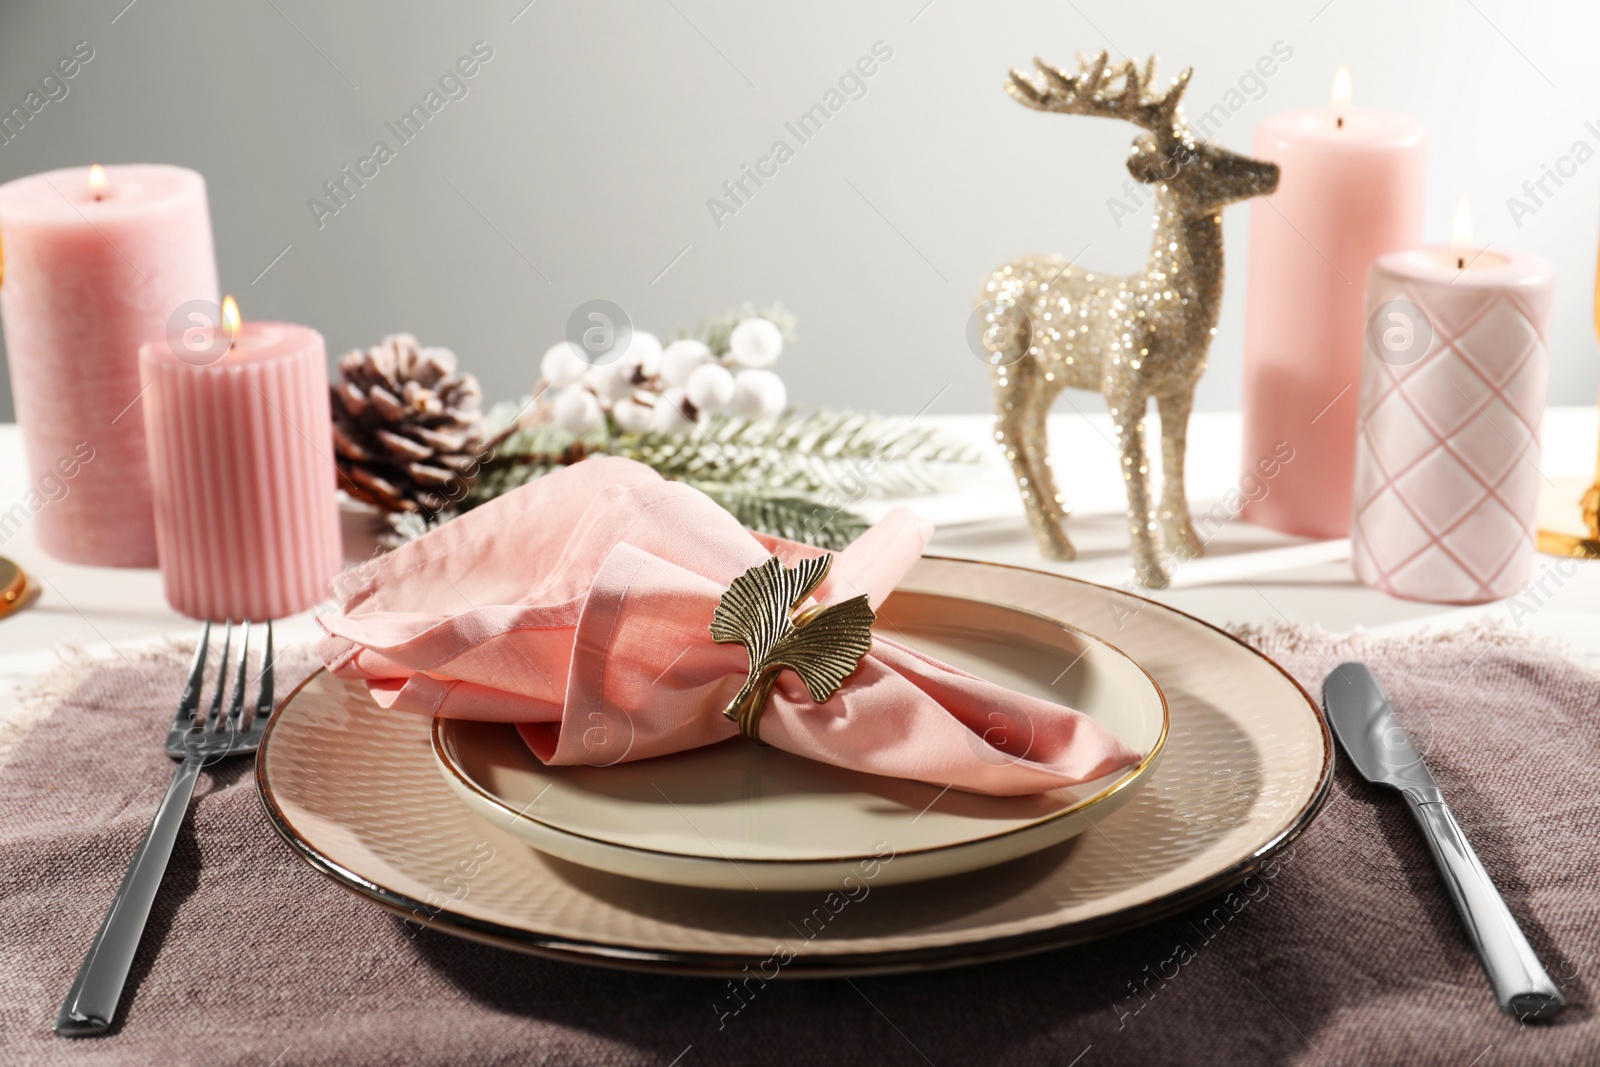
(1293, 637)
(33, 699)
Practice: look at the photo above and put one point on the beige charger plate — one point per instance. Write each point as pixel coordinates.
(744, 816)
(1245, 768)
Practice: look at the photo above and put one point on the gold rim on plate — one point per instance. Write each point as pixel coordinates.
(473, 755)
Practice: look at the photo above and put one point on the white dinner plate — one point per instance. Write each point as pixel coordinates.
(741, 816)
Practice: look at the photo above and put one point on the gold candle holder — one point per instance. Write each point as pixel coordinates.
(1584, 545)
(16, 592)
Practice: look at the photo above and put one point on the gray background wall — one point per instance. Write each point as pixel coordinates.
(580, 162)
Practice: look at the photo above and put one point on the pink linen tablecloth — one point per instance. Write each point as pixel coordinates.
(1348, 954)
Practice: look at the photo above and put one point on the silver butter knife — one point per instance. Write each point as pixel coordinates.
(1364, 722)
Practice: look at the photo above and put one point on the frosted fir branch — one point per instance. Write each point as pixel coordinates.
(780, 513)
(853, 453)
(835, 452)
(796, 518)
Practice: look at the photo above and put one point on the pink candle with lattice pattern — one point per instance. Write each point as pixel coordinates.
(241, 450)
(1452, 395)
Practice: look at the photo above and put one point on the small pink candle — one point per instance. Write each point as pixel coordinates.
(1351, 189)
(1452, 397)
(97, 261)
(241, 459)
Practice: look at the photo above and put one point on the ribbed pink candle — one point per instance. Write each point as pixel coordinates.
(90, 276)
(241, 464)
(1351, 189)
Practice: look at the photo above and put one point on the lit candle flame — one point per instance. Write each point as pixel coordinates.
(97, 181)
(1461, 233)
(230, 319)
(1461, 227)
(1339, 95)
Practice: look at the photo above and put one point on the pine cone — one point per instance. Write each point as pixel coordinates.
(408, 432)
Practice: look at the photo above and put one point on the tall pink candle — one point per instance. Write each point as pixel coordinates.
(1452, 397)
(241, 459)
(1351, 189)
(90, 274)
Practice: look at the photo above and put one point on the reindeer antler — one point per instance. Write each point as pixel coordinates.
(1093, 90)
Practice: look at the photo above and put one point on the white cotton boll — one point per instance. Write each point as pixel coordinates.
(561, 365)
(710, 388)
(610, 383)
(759, 394)
(643, 356)
(680, 359)
(755, 343)
(670, 417)
(578, 412)
(632, 416)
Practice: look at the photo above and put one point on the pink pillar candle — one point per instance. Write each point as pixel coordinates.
(241, 461)
(1351, 189)
(90, 274)
(1452, 396)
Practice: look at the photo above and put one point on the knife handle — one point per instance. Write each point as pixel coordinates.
(1520, 982)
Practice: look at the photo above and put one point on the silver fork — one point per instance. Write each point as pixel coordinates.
(195, 739)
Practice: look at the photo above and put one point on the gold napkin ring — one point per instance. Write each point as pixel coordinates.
(822, 644)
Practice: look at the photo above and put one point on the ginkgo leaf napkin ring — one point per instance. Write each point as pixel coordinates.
(822, 644)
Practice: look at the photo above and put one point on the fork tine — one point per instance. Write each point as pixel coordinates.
(236, 704)
(189, 702)
(264, 695)
(215, 714)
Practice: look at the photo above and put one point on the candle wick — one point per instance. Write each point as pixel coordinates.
(1461, 263)
(1341, 122)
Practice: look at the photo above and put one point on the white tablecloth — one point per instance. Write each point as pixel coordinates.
(104, 610)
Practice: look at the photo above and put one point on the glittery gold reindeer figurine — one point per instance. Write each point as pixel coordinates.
(1046, 325)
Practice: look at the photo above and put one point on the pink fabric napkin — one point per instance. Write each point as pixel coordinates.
(579, 607)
